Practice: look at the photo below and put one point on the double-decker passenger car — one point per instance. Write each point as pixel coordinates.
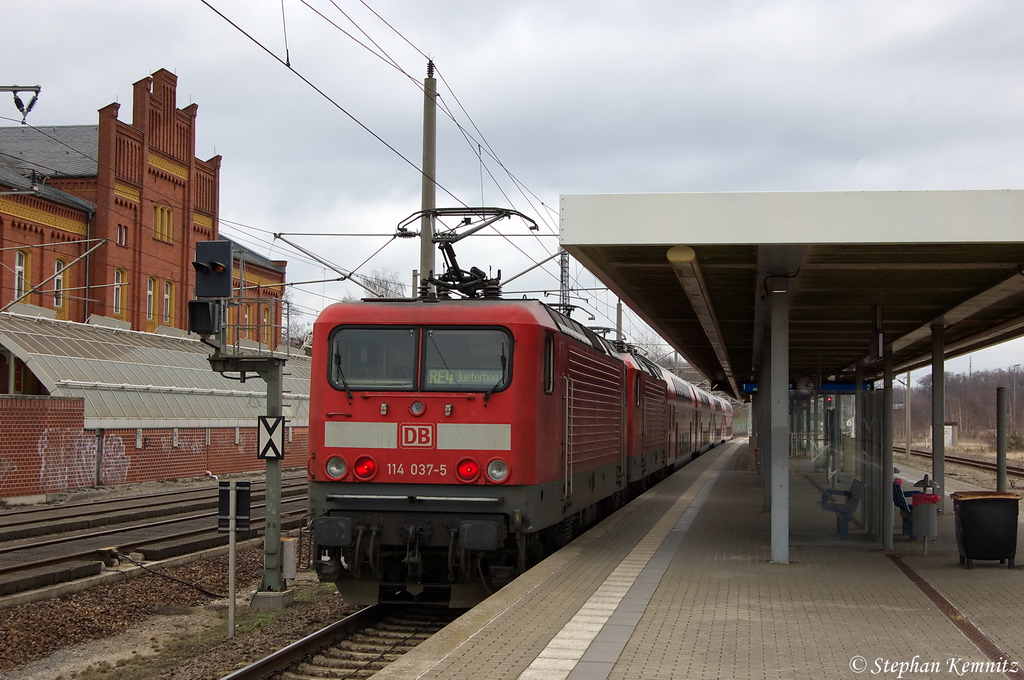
(455, 442)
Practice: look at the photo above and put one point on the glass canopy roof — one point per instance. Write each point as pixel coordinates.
(130, 379)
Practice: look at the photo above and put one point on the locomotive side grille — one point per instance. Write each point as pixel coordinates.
(655, 419)
(595, 427)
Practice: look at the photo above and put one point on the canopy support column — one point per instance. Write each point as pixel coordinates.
(939, 414)
(779, 379)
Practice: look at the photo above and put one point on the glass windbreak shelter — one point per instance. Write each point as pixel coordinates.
(837, 478)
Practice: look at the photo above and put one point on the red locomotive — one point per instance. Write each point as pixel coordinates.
(454, 443)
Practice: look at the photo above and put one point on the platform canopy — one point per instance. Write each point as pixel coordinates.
(862, 269)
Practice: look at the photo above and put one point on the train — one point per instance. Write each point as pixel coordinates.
(454, 443)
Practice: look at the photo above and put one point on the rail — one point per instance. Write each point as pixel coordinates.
(988, 466)
(308, 645)
(124, 546)
(375, 636)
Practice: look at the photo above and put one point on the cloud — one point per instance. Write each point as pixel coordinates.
(571, 96)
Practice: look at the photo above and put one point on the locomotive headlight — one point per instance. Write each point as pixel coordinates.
(336, 467)
(497, 470)
(417, 408)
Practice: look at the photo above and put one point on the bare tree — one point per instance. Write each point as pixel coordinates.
(387, 282)
(297, 332)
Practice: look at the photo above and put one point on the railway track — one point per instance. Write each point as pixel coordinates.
(61, 547)
(47, 520)
(355, 647)
(988, 466)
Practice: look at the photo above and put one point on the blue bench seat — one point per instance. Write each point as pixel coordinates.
(844, 504)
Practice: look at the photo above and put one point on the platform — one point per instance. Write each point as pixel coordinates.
(679, 584)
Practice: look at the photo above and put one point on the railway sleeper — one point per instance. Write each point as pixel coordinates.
(42, 577)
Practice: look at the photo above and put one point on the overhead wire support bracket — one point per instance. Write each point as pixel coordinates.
(22, 108)
(344, 274)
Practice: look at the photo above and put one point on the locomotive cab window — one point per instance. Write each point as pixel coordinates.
(466, 360)
(373, 358)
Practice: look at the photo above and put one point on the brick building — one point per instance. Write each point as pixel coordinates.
(139, 186)
(98, 385)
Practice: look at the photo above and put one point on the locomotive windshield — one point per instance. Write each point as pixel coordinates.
(451, 360)
(374, 358)
(465, 360)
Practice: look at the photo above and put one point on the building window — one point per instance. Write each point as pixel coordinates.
(58, 283)
(150, 293)
(20, 274)
(163, 223)
(118, 286)
(168, 288)
(246, 331)
(267, 335)
(122, 235)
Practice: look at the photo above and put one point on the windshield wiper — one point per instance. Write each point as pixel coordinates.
(504, 363)
(341, 374)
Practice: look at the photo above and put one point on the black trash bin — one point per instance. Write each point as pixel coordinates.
(986, 525)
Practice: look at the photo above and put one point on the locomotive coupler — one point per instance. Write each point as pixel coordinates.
(328, 569)
(414, 532)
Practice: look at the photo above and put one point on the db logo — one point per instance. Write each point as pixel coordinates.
(418, 436)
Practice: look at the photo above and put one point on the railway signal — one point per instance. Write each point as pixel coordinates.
(213, 269)
(214, 272)
(213, 265)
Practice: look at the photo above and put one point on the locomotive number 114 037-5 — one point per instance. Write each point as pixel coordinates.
(417, 469)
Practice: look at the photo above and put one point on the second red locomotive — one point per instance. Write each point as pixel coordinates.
(453, 443)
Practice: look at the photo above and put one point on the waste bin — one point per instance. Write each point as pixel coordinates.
(986, 525)
(925, 513)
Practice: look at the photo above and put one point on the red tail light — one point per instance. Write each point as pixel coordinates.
(468, 470)
(365, 467)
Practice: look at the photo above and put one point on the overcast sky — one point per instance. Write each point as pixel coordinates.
(569, 96)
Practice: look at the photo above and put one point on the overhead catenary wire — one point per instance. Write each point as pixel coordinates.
(326, 96)
(342, 109)
(481, 147)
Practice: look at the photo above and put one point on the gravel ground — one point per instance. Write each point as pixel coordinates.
(151, 627)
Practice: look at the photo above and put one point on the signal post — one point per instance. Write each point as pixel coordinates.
(213, 265)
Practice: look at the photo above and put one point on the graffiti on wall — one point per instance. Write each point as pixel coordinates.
(115, 463)
(67, 459)
(7, 469)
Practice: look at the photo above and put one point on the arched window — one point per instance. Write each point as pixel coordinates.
(150, 293)
(246, 330)
(20, 274)
(58, 283)
(168, 289)
(118, 285)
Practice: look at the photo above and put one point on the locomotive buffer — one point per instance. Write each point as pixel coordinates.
(213, 265)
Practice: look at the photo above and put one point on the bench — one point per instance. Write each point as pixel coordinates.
(844, 510)
(899, 497)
